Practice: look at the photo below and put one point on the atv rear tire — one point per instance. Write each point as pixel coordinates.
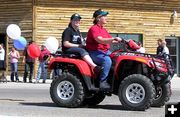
(136, 92)
(94, 99)
(67, 91)
(163, 94)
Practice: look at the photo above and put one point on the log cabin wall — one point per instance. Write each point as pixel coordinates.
(148, 17)
(39, 19)
(16, 12)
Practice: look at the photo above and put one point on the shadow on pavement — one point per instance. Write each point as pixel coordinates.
(45, 104)
(110, 107)
(13, 100)
(106, 107)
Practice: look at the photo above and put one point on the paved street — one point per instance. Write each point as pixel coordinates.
(33, 100)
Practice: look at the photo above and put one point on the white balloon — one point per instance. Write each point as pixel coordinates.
(13, 31)
(52, 44)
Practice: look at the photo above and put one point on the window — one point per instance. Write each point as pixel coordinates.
(136, 37)
(126, 36)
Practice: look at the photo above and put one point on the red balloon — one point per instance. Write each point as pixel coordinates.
(33, 50)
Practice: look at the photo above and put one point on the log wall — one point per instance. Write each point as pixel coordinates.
(148, 17)
(16, 12)
(39, 19)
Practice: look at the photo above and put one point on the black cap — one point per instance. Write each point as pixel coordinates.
(99, 12)
(75, 17)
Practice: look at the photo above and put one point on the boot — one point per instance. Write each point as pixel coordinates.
(98, 70)
(104, 85)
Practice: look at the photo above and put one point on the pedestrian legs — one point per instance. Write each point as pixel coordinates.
(45, 72)
(25, 72)
(31, 66)
(39, 72)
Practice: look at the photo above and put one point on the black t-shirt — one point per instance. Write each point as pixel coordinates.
(72, 36)
(27, 57)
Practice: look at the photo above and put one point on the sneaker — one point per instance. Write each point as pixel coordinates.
(44, 81)
(17, 80)
(37, 81)
(98, 70)
(104, 85)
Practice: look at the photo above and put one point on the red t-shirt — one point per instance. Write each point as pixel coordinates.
(94, 32)
(43, 53)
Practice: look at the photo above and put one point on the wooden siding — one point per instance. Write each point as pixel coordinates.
(148, 17)
(16, 12)
(39, 19)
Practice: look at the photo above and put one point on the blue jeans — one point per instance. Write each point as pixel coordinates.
(42, 71)
(14, 71)
(102, 59)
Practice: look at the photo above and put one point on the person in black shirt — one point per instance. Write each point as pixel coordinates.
(29, 64)
(160, 47)
(72, 42)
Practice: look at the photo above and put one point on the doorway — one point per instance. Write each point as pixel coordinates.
(172, 45)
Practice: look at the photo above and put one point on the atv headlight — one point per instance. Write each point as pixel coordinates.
(159, 65)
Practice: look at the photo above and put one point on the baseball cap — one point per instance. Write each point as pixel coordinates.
(75, 16)
(100, 12)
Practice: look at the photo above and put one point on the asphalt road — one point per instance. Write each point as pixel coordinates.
(33, 100)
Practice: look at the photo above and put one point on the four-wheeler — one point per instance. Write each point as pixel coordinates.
(140, 80)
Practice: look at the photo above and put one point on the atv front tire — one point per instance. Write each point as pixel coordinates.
(67, 91)
(136, 92)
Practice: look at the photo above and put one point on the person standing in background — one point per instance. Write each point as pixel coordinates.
(165, 48)
(141, 49)
(2, 59)
(14, 56)
(159, 48)
(43, 60)
(29, 64)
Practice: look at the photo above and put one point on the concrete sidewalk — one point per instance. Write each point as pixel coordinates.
(175, 82)
(33, 80)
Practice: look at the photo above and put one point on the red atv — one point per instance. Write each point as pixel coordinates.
(139, 80)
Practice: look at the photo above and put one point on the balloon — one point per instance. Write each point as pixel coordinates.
(33, 50)
(52, 44)
(13, 31)
(20, 43)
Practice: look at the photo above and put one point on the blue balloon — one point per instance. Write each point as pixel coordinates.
(20, 43)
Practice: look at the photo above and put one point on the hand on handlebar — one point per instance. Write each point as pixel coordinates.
(117, 39)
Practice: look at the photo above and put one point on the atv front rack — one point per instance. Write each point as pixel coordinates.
(164, 59)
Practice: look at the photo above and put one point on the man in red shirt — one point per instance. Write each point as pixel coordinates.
(98, 44)
(43, 59)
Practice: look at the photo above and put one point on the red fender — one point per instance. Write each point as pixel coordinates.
(84, 68)
(131, 58)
